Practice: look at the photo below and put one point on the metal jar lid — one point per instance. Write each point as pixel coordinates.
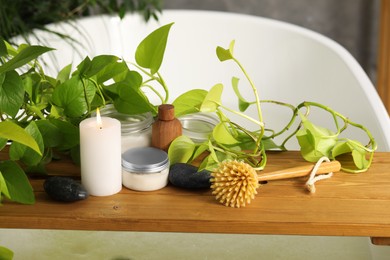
(145, 160)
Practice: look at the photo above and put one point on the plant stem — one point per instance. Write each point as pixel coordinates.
(164, 85)
(159, 79)
(243, 115)
(154, 91)
(259, 112)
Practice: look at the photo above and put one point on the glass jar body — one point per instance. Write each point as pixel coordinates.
(135, 129)
(199, 126)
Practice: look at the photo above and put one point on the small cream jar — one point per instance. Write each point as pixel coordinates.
(145, 169)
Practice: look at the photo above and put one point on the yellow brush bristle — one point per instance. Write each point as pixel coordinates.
(234, 183)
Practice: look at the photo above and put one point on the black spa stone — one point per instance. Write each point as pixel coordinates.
(187, 176)
(64, 189)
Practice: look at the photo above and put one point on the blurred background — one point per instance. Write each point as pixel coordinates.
(352, 23)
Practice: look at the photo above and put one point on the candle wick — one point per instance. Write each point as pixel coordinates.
(101, 127)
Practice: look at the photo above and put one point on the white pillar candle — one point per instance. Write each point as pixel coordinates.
(100, 154)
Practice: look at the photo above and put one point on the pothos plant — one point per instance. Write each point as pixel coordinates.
(40, 114)
(230, 140)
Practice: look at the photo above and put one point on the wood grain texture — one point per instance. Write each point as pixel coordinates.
(166, 128)
(300, 171)
(345, 205)
(384, 54)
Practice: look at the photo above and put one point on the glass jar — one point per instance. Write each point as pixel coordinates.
(198, 126)
(136, 129)
(145, 169)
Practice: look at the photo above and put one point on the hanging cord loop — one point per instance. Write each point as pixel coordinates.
(313, 178)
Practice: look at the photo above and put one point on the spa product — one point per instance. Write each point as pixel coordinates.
(235, 183)
(136, 129)
(166, 128)
(100, 155)
(198, 126)
(145, 169)
(64, 189)
(187, 176)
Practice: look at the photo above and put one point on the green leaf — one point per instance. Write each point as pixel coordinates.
(150, 52)
(11, 93)
(225, 54)
(27, 155)
(74, 97)
(3, 48)
(132, 101)
(200, 149)
(269, 144)
(3, 143)
(213, 99)
(359, 158)
(208, 163)
(98, 63)
(18, 185)
(11, 131)
(70, 135)
(3, 189)
(211, 161)
(134, 79)
(6, 254)
(64, 73)
(222, 135)
(55, 112)
(50, 133)
(359, 154)
(28, 84)
(116, 71)
(83, 66)
(189, 102)
(315, 141)
(242, 103)
(341, 148)
(181, 150)
(25, 55)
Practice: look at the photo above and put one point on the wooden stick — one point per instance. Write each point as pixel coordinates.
(325, 167)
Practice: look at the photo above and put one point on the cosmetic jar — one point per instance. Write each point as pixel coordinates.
(198, 126)
(136, 129)
(145, 168)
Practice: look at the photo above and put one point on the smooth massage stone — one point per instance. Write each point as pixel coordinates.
(64, 189)
(187, 176)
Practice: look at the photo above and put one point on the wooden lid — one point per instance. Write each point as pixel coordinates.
(166, 112)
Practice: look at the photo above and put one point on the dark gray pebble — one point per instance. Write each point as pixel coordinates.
(187, 176)
(64, 189)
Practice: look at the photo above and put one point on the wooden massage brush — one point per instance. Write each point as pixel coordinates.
(235, 183)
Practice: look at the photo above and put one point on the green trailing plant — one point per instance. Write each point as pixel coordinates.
(40, 114)
(230, 140)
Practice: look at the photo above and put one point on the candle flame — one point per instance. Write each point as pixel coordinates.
(98, 118)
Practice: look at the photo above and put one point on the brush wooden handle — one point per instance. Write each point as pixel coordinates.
(325, 167)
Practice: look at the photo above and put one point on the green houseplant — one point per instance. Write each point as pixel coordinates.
(40, 114)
